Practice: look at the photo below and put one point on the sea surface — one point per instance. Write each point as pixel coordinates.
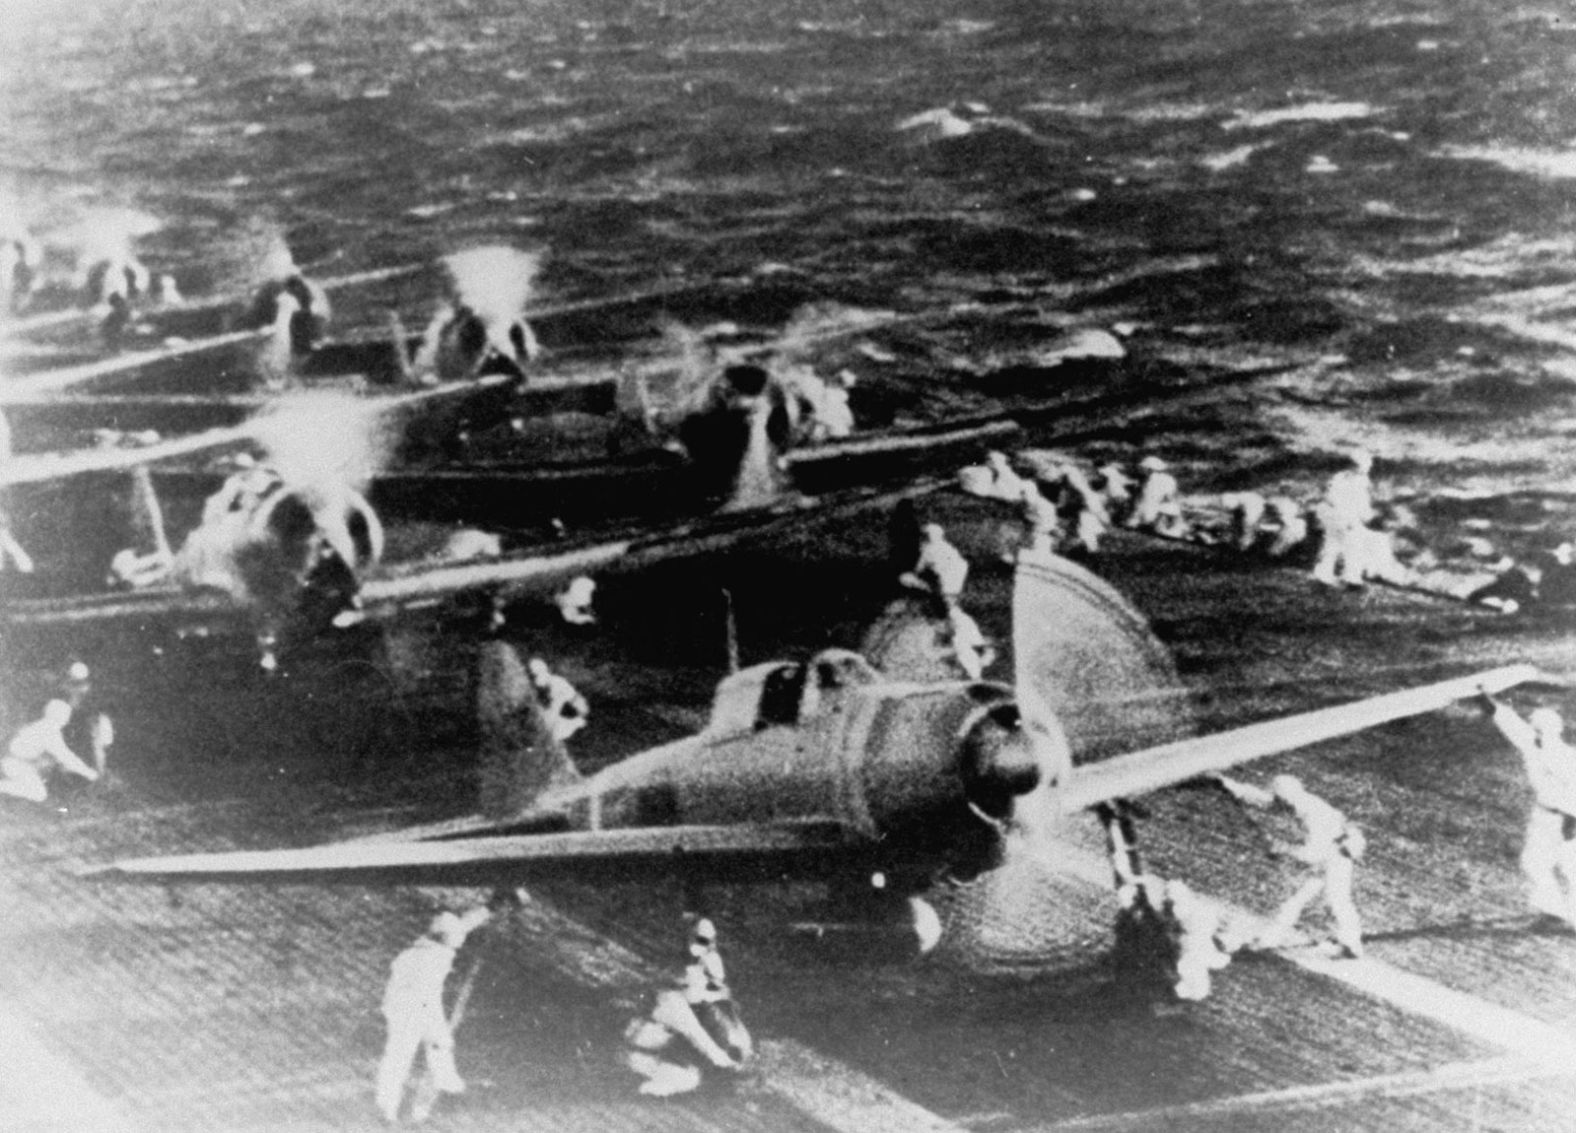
(1370, 200)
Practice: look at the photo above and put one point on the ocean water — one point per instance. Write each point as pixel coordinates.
(1370, 199)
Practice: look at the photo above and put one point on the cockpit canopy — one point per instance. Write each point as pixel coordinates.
(786, 692)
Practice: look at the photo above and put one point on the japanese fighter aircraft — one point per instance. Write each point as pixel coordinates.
(832, 769)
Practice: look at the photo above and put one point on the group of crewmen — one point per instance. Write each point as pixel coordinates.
(1195, 934)
(690, 1028)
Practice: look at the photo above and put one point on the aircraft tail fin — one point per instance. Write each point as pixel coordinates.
(519, 755)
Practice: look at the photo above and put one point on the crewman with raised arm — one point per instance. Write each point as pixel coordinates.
(1548, 855)
(413, 1008)
(1330, 849)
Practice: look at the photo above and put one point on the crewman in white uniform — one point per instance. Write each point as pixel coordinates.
(1159, 504)
(1548, 856)
(35, 750)
(940, 568)
(565, 710)
(1347, 508)
(576, 602)
(1197, 923)
(1331, 847)
(413, 1009)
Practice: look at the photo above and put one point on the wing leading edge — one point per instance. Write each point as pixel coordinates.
(1153, 768)
(717, 852)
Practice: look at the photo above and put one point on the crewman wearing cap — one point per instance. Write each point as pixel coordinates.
(90, 729)
(1330, 849)
(413, 1009)
(940, 568)
(1548, 856)
(565, 710)
(1158, 507)
(1346, 509)
(37, 749)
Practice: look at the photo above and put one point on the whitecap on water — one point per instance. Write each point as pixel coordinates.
(1229, 159)
(1541, 163)
(1306, 112)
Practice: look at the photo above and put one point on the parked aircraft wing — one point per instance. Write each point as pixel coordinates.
(38, 467)
(134, 605)
(1153, 768)
(517, 859)
(421, 585)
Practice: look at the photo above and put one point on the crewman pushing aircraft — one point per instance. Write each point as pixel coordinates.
(1331, 847)
(36, 750)
(413, 1009)
(1548, 856)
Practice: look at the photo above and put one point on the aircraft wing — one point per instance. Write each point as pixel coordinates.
(746, 851)
(132, 605)
(540, 570)
(1168, 764)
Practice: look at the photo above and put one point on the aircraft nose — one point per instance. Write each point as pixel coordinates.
(1000, 762)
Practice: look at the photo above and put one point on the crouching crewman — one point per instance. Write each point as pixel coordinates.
(690, 1026)
(37, 749)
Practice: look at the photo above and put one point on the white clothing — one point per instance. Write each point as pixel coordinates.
(413, 1009)
(1159, 504)
(33, 751)
(941, 567)
(563, 706)
(1548, 855)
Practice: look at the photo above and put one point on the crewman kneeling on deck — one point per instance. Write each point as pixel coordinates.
(36, 750)
(1331, 847)
(940, 569)
(1548, 856)
(669, 1046)
(413, 1009)
(1158, 508)
(1346, 509)
(565, 710)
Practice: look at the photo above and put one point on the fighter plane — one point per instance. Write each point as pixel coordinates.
(832, 769)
